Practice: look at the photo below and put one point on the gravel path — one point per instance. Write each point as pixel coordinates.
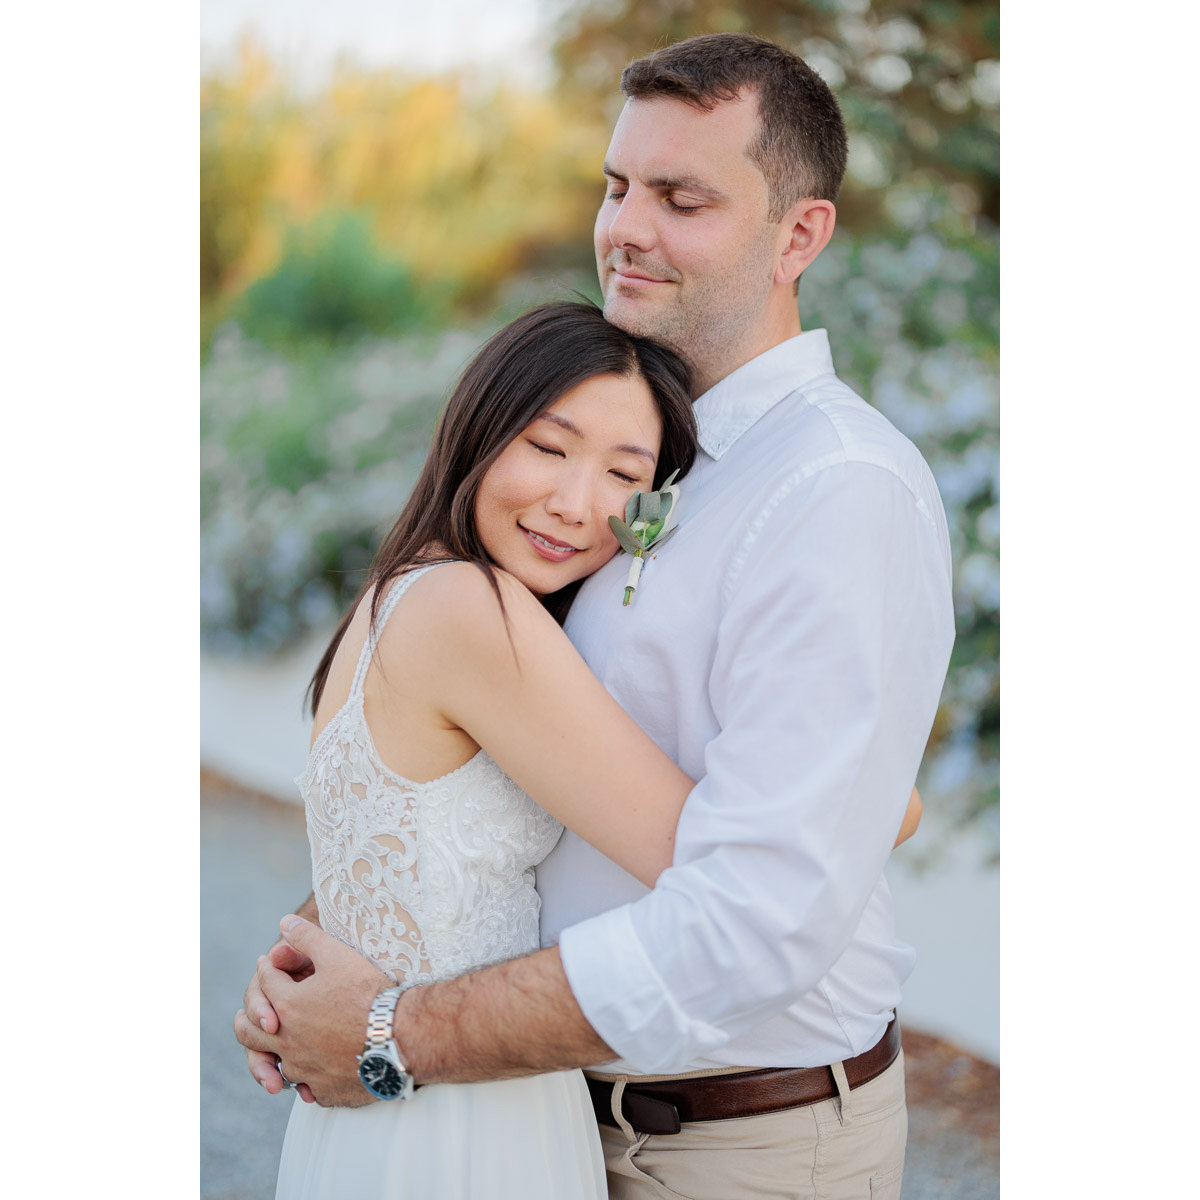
(254, 868)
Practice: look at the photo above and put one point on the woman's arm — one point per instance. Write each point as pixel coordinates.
(524, 694)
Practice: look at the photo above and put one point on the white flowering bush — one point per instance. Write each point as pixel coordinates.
(306, 460)
(914, 327)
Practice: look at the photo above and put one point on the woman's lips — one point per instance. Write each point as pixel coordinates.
(549, 548)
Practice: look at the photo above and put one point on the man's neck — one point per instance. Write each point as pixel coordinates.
(711, 369)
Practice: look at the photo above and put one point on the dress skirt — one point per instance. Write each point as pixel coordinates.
(511, 1139)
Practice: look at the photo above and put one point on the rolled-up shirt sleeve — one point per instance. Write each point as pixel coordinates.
(835, 633)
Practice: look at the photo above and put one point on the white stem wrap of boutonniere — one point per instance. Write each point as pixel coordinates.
(650, 519)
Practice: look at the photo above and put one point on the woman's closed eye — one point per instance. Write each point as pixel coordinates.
(627, 480)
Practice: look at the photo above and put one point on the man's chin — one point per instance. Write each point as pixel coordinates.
(635, 314)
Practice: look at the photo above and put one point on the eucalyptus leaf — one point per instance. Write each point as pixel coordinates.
(646, 519)
(625, 535)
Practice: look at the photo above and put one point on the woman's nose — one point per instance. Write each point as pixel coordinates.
(570, 500)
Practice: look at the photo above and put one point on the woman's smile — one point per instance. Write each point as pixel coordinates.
(549, 547)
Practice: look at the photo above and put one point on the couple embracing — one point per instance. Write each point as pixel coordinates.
(732, 752)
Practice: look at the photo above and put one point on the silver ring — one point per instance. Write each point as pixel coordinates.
(287, 1083)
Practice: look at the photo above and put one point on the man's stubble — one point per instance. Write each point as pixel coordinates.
(712, 318)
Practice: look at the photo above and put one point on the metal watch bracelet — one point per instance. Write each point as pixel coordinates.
(381, 1016)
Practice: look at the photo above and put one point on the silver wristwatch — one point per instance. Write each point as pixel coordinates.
(380, 1068)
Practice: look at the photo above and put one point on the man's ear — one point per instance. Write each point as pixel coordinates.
(803, 233)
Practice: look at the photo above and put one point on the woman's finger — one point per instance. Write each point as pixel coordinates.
(290, 960)
(257, 1007)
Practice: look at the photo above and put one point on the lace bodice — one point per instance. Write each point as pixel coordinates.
(428, 880)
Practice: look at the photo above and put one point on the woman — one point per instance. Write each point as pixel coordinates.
(448, 698)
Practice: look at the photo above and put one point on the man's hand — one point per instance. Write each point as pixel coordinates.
(319, 1020)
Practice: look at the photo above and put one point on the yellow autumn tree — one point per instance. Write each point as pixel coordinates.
(465, 183)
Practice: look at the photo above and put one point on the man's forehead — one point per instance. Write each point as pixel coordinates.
(666, 136)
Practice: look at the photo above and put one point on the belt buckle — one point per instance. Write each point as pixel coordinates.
(649, 1115)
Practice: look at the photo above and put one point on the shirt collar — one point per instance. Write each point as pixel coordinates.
(730, 407)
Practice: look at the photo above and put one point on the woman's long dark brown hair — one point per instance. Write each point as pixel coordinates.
(517, 376)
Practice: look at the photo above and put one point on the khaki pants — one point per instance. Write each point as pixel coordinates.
(847, 1148)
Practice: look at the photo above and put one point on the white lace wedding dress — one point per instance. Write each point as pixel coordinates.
(430, 880)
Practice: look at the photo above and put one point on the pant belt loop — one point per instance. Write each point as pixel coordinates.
(617, 1092)
(845, 1115)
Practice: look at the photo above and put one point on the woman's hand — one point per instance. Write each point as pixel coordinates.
(912, 818)
(320, 1020)
(259, 1011)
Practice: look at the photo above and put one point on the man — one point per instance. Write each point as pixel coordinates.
(787, 649)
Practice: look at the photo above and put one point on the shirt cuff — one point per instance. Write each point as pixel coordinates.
(625, 999)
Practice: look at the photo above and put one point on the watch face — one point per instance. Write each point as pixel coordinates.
(381, 1077)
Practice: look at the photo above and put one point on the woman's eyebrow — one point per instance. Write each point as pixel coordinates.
(571, 427)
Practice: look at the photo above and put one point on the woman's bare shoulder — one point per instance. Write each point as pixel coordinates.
(461, 591)
(457, 602)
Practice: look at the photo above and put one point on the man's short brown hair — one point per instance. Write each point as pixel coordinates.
(801, 145)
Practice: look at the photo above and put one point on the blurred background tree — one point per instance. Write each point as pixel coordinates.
(360, 239)
(461, 184)
(918, 82)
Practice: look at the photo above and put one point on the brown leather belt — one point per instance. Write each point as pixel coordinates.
(663, 1106)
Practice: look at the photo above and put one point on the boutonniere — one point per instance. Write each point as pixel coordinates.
(650, 519)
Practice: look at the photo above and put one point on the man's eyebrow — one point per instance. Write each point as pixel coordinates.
(671, 183)
(571, 427)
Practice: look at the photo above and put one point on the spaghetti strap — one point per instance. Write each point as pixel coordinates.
(431, 880)
(399, 587)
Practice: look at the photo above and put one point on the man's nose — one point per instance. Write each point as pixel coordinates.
(631, 226)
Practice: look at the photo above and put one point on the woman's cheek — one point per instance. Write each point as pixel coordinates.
(608, 547)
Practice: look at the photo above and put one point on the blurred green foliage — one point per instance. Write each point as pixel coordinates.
(339, 228)
(334, 283)
(307, 456)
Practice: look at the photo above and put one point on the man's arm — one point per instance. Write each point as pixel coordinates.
(829, 662)
(830, 665)
(489, 1010)
(515, 1018)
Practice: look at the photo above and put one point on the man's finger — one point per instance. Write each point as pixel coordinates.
(307, 939)
(326, 953)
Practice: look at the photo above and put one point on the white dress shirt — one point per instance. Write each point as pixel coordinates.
(787, 648)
